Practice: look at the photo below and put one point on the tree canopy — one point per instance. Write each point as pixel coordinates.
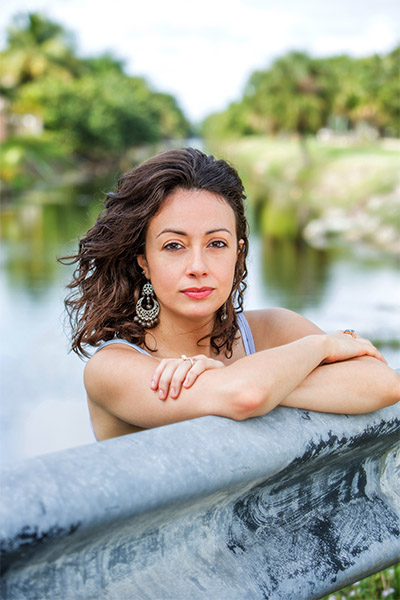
(302, 94)
(89, 107)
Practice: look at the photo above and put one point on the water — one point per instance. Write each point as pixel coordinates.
(43, 405)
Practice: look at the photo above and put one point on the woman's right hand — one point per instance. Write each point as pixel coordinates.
(342, 346)
(173, 373)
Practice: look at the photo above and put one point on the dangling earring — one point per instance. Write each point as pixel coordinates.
(147, 316)
(224, 313)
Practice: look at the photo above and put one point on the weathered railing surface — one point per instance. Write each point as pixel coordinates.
(292, 505)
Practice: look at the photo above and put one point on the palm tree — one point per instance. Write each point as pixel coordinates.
(36, 48)
(292, 96)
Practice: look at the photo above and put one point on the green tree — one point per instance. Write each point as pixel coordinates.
(380, 104)
(367, 90)
(171, 121)
(300, 94)
(293, 95)
(97, 117)
(36, 48)
(346, 92)
(237, 120)
(89, 107)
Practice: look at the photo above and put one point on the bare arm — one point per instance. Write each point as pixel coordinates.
(117, 379)
(358, 385)
(355, 385)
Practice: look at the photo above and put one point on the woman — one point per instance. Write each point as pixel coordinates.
(159, 289)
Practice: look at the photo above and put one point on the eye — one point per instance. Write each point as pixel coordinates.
(218, 244)
(173, 246)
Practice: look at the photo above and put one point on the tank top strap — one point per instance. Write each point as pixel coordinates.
(246, 334)
(121, 341)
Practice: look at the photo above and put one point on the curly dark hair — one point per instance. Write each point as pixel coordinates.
(107, 281)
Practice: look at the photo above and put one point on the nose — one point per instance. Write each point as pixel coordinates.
(196, 266)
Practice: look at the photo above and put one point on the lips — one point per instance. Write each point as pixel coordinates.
(198, 293)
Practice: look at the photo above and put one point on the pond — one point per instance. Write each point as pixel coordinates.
(43, 405)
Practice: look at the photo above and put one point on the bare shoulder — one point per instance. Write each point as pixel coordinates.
(104, 372)
(273, 327)
(116, 381)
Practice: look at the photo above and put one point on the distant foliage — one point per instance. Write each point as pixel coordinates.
(300, 94)
(88, 108)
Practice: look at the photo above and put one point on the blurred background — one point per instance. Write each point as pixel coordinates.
(303, 98)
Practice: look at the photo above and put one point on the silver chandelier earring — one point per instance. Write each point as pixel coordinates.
(147, 308)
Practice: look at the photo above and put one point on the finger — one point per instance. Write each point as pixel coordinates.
(173, 376)
(166, 377)
(373, 351)
(178, 378)
(191, 376)
(160, 369)
(157, 373)
(368, 348)
(380, 357)
(203, 363)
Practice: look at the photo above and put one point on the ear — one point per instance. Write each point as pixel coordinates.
(142, 262)
(240, 246)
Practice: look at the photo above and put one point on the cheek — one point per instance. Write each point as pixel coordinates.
(226, 270)
(163, 273)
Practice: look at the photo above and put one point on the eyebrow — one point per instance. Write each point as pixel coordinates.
(177, 232)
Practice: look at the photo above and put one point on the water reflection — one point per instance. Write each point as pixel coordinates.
(296, 273)
(36, 232)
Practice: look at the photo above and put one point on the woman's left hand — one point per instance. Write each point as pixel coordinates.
(173, 373)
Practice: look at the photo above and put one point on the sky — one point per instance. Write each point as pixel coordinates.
(203, 53)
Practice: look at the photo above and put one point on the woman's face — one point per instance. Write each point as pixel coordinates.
(191, 253)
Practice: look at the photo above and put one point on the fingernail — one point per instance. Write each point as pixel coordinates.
(153, 384)
(173, 392)
(161, 394)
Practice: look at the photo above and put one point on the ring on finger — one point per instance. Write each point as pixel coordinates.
(192, 360)
(350, 332)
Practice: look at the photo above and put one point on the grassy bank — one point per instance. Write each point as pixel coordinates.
(385, 584)
(323, 191)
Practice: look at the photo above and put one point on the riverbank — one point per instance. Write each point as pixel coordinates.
(30, 168)
(340, 189)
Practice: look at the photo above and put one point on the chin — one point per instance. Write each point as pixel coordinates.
(200, 313)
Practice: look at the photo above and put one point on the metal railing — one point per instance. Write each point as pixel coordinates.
(292, 505)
